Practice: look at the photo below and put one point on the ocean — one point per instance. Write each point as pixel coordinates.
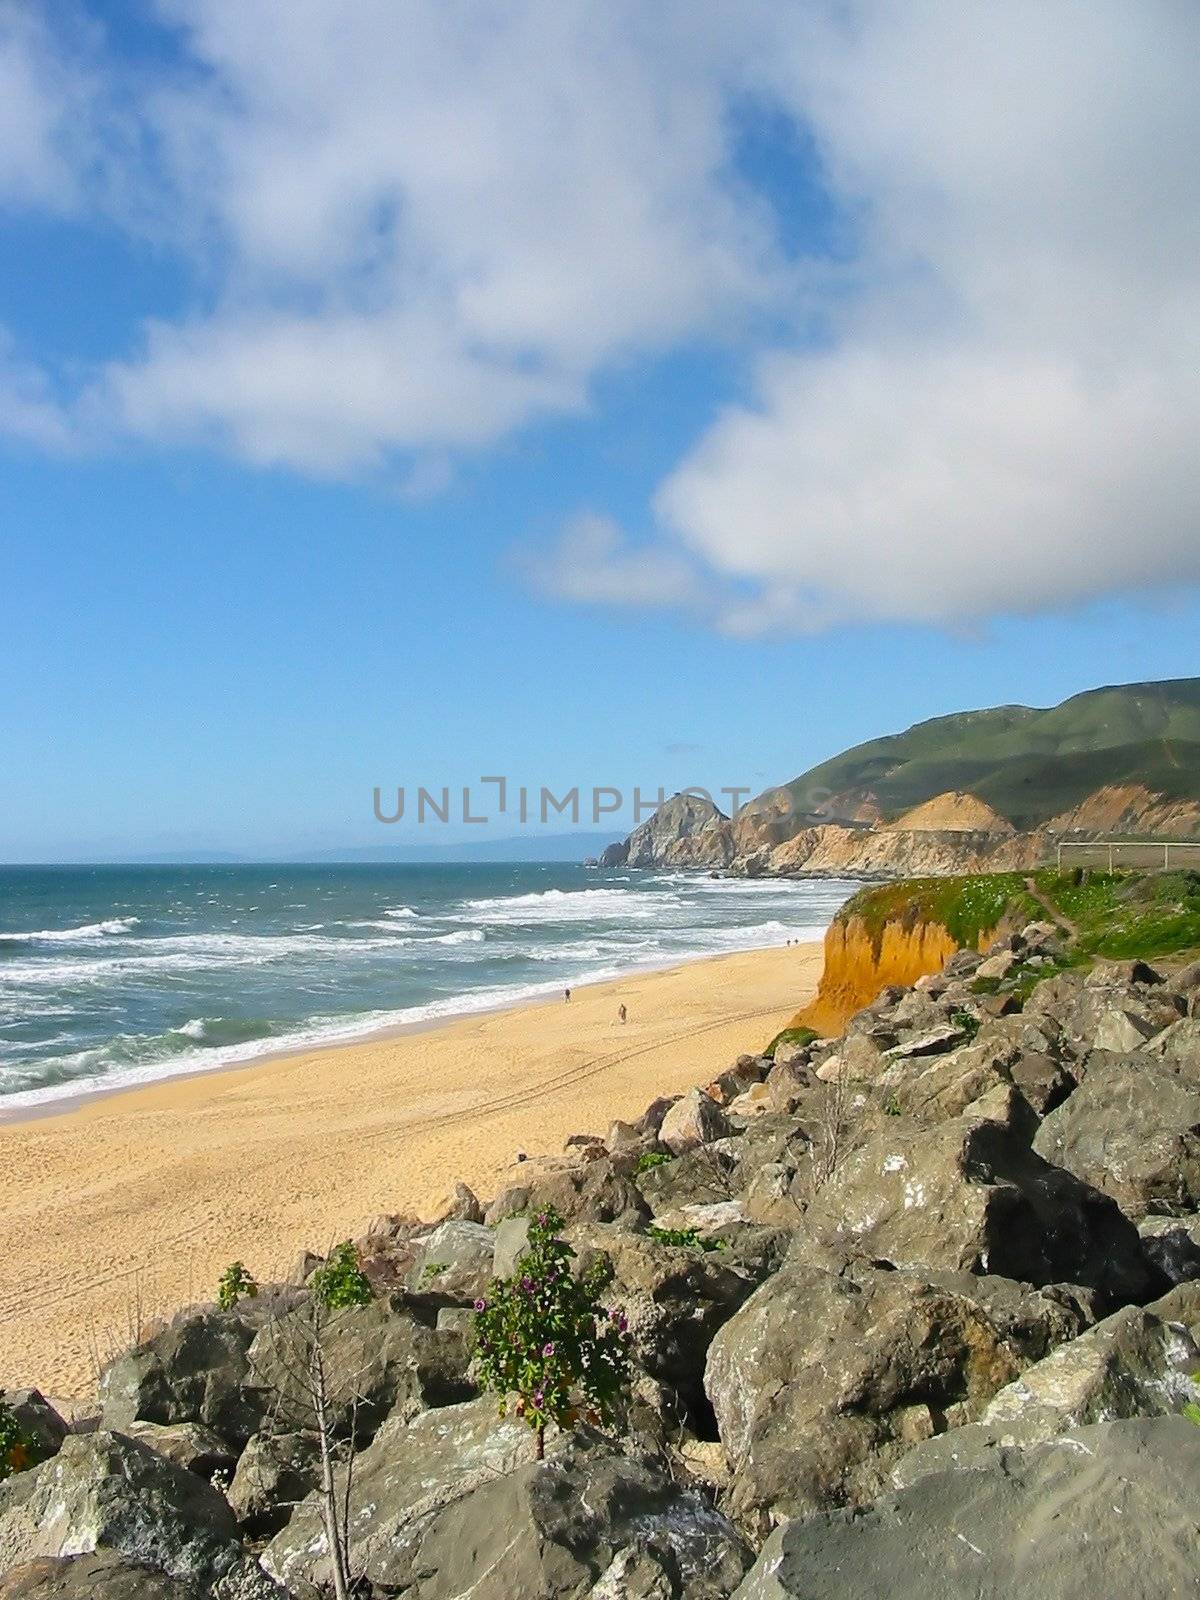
(111, 976)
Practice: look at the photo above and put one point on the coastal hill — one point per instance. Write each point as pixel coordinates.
(973, 791)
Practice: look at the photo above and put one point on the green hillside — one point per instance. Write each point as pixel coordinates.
(1028, 764)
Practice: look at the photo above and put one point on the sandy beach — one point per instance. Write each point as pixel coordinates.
(129, 1205)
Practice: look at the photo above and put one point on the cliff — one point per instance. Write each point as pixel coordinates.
(897, 933)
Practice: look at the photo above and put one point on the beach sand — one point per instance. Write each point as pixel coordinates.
(129, 1205)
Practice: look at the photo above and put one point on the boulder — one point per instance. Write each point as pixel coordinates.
(593, 1186)
(376, 1359)
(970, 1195)
(510, 1243)
(274, 1473)
(1106, 1510)
(1132, 1129)
(675, 1298)
(826, 1376)
(455, 1261)
(188, 1444)
(458, 1506)
(704, 1176)
(695, 1120)
(464, 1205)
(752, 1102)
(943, 1088)
(1132, 1364)
(194, 1370)
(97, 1576)
(37, 1419)
(1179, 1043)
(106, 1492)
(1172, 1244)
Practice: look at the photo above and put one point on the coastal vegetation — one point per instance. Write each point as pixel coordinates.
(543, 1342)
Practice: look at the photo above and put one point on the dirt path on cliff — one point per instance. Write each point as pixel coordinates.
(1058, 918)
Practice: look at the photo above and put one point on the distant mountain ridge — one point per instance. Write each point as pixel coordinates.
(971, 791)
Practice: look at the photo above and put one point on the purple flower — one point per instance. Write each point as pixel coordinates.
(538, 1397)
(547, 1349)
(481, 1305)
(622, 1322)
(527, 1285)
(542, 1220)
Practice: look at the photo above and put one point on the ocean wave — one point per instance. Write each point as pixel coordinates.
(112, 927)
(400, 913)
(218, 1031)
(572, 905)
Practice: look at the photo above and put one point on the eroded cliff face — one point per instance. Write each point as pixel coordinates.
(950, 834)
(858, 965)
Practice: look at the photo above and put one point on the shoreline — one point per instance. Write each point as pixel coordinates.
(129, 1204)
(55, 1105)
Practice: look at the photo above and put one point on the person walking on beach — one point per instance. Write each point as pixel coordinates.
(621, 1012)
(567, 996)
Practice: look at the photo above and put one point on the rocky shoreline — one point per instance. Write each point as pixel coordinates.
(891, 1296)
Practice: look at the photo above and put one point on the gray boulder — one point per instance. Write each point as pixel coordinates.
(1172, 1244)
(1132, 1129)
(695, 1120)
(1106, 1510)
(458, 1506)
(824, 1378)
(96, 1576)
(274, 1473)
(970, 1195)
(105, 1492)
(1130, 1365)
(455, 1261)
(195, 1370)
(376, 1357)
(188, 1444)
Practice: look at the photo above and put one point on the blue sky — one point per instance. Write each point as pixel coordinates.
(600, 398)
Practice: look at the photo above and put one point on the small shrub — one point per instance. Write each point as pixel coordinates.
(236, 1284)
(685, 1237)
(967, 1021)
(652, 1159)
(891, 1107)
(17, 1449)
(342, 1281)
(431, 1269)
(544, 1343)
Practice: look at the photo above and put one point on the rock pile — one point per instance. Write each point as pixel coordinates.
(891, 1296)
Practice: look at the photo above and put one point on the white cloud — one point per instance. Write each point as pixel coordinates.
(593, 564)
(419, 228)
(437, 221)
(1005, 416)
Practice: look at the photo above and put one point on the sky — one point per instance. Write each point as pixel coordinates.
(598, 395)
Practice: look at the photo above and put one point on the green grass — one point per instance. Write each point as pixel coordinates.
(1128, 916)
(686, 1238)
(967, 907)
(799, 1036)
(652, 1159)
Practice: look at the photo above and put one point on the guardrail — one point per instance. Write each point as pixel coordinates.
(1114, 853)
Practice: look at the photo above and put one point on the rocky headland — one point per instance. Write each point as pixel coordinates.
(912, 1310)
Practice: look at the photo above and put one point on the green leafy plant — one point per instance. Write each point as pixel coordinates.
(17, 1449)
(685, 1237)
(967, 1021)
(544, 1343)
(236, 1284)
(891, 1107)
(652, 1159)
(431, 1269)
(342, 1281)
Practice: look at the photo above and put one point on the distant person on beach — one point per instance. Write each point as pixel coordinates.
(621, 1013)
(567, 995)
